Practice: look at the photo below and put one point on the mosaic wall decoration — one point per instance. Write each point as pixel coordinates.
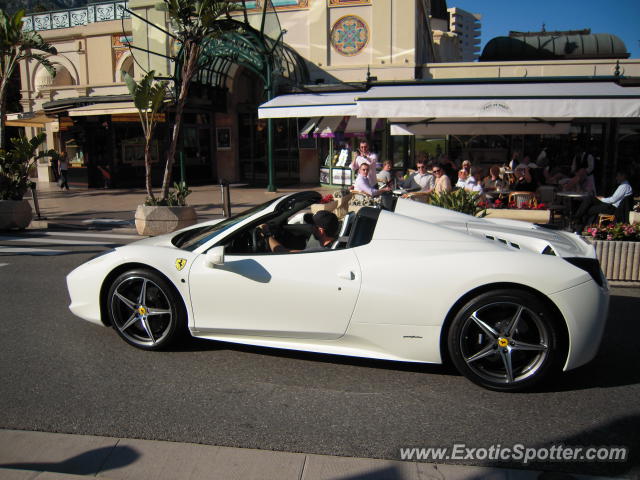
(97, 12)
(345, 3)
(120, 45)
(349, 35)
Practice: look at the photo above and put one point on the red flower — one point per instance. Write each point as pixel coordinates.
(326, 199)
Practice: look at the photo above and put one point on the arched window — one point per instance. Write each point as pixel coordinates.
(126, 66)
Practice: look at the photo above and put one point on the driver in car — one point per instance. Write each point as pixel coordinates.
(325, 231)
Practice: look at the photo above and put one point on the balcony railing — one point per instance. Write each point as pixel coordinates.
(74, 17)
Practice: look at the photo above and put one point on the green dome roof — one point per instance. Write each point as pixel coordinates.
(554, 46)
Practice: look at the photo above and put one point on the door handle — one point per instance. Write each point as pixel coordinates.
(348, 275)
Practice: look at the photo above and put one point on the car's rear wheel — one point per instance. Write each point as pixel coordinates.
(505, 340)
(145, 309)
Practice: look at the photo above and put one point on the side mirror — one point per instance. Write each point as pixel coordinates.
(214, 257)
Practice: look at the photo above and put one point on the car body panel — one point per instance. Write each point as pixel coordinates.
(387, 299)
(511, 233)
(299, 295)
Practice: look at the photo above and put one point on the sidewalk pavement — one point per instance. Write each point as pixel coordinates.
(115, 208)
(54, 456)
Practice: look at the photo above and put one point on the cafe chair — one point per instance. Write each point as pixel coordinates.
(422, 197)
(362, 199)
(605, 219)
(621, 214)
(522, 199)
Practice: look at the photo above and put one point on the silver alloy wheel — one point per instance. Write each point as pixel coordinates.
(141, 311)
(504, 342)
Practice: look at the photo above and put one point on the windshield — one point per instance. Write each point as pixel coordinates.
(192, 239)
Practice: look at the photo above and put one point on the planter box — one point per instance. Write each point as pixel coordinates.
(329, 207)
(619, 260)
(158, 220)
(533, 216)
(15, 214)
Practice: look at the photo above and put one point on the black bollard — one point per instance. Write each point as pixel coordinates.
(226, 198)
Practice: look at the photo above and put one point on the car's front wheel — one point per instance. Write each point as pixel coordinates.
(505, 340)
(145, 309)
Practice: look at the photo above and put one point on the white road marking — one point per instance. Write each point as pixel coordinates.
(50, 241)
(31, 251)
(82, 234)
(3, 264)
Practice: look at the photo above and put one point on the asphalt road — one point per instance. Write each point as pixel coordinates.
(61, 374)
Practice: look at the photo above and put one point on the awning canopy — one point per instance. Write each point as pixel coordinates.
(507, 100)
(517, 102)
(348, 126)
(115, 108)
(29, 119)
(310, 105)
(439, 128)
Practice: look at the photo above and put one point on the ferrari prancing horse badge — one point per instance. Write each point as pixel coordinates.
(180, 263)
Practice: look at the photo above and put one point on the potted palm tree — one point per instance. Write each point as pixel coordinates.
(170, 213)
(17, 45)
(15, 211)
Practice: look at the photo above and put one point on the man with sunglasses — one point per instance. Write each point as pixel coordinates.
(421, 180)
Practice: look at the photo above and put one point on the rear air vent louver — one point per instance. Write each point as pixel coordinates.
(503, 241)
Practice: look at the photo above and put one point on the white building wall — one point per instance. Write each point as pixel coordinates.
(468, 28)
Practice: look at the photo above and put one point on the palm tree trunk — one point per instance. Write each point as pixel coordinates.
(3, 108)
(191, 52)
(147, 170)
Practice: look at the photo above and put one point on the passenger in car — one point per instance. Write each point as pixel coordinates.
(325, 231)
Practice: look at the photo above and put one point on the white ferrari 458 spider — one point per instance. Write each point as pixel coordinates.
(507, 302)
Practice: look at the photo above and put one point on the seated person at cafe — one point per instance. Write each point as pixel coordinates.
(526, 163)
(325, 231)
(362, 184)
(524, 182)
(493, 181)
(421, 180)
(466, 165)
(385, 177)
(442, 182)
(449, 166)
(592, 206)
(463, 176)
(580, 182)
(474, 183)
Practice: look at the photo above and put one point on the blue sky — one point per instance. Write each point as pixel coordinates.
(620, 17)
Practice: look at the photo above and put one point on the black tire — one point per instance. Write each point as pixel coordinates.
(145, 310)
(505, 340)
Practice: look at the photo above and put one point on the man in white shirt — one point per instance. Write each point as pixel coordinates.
(364, 155)
(591, 207)
(421, 180)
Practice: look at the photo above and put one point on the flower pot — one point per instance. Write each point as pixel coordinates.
(634, 217)
(525, 215)
(156, 220)
(619, 260)
(15, 214)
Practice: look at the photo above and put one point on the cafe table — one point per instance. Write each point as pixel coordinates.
(569, 198)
